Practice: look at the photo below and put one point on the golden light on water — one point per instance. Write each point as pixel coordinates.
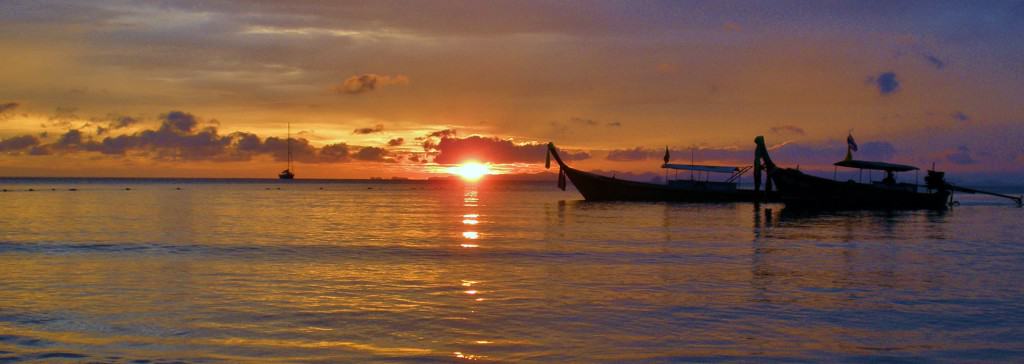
(470, 199)
(460, 355)
(471, 170)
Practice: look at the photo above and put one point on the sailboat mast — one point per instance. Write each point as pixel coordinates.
(289, 145)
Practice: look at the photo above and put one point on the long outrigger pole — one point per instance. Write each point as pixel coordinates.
(1019, 199)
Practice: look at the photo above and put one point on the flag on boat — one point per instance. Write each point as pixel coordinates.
(850, 143)
(547, 159)
(561, 179)
(666, 154)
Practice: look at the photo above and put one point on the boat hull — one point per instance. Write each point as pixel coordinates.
(596, 187)
(801, 190)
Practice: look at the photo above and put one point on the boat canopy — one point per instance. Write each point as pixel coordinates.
(881, 166)
(701, 168)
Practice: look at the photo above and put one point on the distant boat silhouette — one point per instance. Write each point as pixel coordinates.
(287, 173)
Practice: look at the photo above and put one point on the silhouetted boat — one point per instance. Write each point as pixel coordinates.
(595, 187)
(287, 173)
(798, 189)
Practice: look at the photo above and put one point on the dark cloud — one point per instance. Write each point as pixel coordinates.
(788, 129)
(334, 153)
(72, 138)
(179, 138)
(121, 122)
(302, 151)
(635, 154)
(118, 145)
(396, 142)
(446, 133)
(934, 61)
(368, 82)
(429, 142)
(178, 121)
(961, 155)
(18, 143)
(886, 82)
(375, 129)
(961, 117)
(8, 106)
(371, 154)
(39, 150)
(614, 124)
(116, 122)
(495, 150)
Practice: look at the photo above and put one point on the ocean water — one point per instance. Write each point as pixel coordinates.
(252, 271)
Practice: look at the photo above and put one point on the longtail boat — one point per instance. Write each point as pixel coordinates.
(798, 189)
(595, 187)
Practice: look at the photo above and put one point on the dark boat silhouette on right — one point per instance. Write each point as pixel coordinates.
(798, 189)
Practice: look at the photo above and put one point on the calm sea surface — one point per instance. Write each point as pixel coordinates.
(379, 271)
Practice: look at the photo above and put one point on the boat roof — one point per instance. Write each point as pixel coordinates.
(882, 166)
(702, 168)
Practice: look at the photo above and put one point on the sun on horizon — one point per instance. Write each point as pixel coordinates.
(470, 170)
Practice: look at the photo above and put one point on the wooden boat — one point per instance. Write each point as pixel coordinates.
(798, 189)
(595, 187)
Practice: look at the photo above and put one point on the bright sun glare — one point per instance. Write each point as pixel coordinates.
(471, 171)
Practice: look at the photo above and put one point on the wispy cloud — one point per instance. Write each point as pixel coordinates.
(8, 106)
(787, 129)
(368, 82)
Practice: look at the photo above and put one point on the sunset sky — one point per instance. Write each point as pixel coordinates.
(381, 88)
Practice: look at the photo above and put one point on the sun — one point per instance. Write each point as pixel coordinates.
(470, 171)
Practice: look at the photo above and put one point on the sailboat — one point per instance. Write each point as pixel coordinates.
(287, 173)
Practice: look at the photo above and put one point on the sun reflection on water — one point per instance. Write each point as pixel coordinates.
(471, 221)
(461, 355)
(470, 199)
